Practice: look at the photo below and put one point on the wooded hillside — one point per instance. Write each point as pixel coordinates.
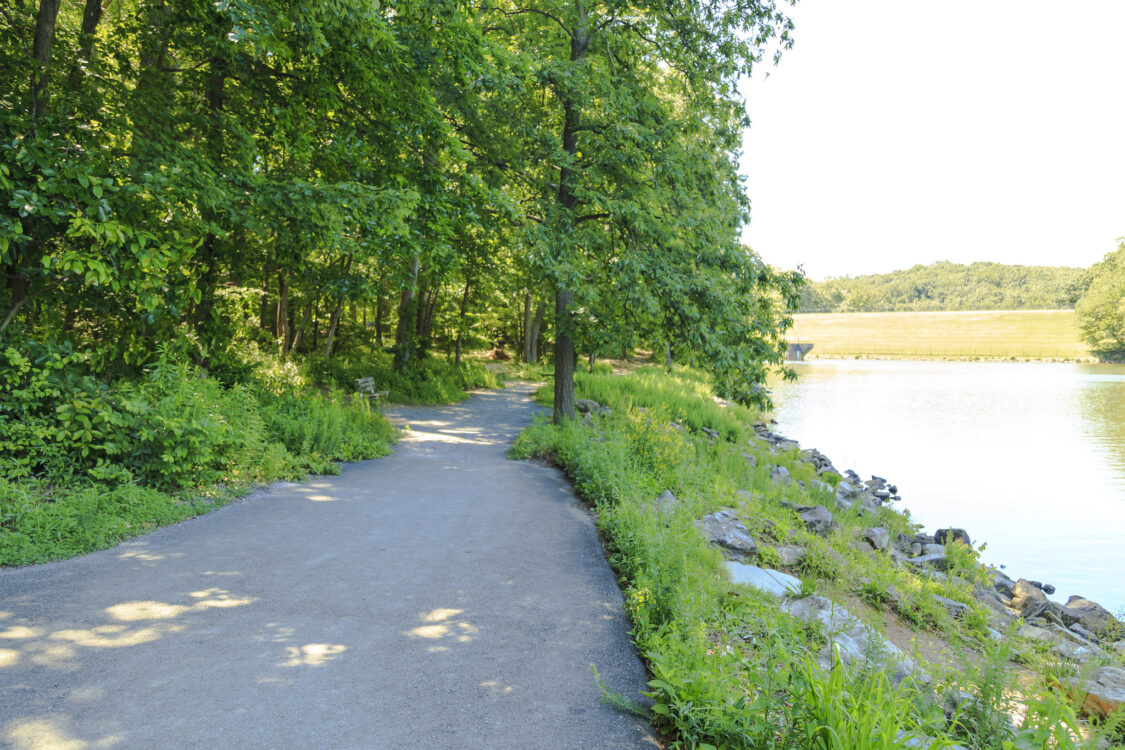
(950, 286)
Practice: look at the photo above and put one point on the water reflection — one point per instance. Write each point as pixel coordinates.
(1030, 457)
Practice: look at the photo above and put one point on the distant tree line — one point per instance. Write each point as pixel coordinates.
(951, 286)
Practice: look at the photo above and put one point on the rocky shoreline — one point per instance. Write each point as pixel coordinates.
(1078, 632)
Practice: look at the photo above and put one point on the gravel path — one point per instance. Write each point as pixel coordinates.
(443, 597)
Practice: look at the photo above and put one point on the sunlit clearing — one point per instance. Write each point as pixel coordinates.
(20, 631)
(8, 657)
(321, 498)
(312, 654)
(437, 649)
(441, 615)
(147, 610)
(5, 615)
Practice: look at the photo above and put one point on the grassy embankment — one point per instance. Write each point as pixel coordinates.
(729, 668)
(998, 334)
(86, 464)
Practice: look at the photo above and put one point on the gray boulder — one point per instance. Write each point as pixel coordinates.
(751, 461)
(878, 537)
(775, 583)
(586, 406)
(1002, 583)
(665, 503)
(956, 609)
(944, 536)
(723, 528)
(848, 637)
(779, 474)
(790, 556)
(817, 519)
(937, 561)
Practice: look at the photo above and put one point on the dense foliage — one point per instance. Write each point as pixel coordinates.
(1101, 312)
(301, 177)
(950, 286)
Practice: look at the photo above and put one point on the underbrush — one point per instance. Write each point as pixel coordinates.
(730, 669)
(432, 381)
(85, 464)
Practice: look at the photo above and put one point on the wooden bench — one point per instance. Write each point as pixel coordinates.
(366, 388)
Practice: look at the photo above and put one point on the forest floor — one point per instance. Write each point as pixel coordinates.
(441, 597)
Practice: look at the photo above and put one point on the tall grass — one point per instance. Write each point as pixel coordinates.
(729, 668)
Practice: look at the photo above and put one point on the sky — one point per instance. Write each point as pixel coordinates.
(899, 132)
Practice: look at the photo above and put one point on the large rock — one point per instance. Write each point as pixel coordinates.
(846, 494)
(1001, 582)
(773, 582)
(1093, 616)
(586, 406)
(726, 530)
(817, 519)
(779, 474)
(854, 642)
(955, 608)
(1028, 600)
(879, 538)
(1104, 691)
(937, 561)
(945, 536)
(665, 503)
(789, 556)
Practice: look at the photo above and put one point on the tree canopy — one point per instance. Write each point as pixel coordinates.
(296, 176)
(950, 286)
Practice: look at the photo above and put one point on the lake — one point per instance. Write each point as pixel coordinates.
(1028, 457)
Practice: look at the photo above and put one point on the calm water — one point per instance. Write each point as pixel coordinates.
(1028, 457)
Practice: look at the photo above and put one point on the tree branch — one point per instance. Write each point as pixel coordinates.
(536, 11)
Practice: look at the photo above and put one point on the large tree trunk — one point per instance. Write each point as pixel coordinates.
(564, 358)
(564, 344)
(41, 53)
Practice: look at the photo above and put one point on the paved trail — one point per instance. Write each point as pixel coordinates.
(444, 597)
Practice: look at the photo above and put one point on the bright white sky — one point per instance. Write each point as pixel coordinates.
(898, 132)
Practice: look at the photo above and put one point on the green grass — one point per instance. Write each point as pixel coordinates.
(729, 670)
(1018, 334)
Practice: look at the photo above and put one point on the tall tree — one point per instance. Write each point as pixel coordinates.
(613, 95)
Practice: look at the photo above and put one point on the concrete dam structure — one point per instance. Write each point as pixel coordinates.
(797, 352)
